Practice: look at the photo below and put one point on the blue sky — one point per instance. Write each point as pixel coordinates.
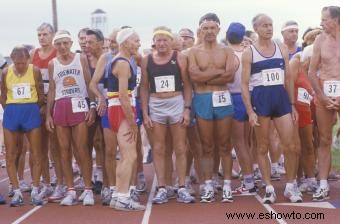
(21, 18)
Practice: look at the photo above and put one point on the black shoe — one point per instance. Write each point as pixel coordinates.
(97, 187)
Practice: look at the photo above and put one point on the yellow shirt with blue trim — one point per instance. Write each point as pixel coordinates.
(21, 89)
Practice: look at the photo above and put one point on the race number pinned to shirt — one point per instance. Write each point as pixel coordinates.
(165, 83)
(331, 88)
(21, 91)
(221, 98)
(303, 96)
(272, 77)
(79, 105)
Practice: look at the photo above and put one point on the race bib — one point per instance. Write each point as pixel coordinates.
(272, 77)
(331, 88)
(221, 98)
(79, 105)
(165, 83)
(303, 96)
(21, 91)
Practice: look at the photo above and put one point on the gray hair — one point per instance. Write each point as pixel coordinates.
(256, 18)
(19, 50)
(47, 26)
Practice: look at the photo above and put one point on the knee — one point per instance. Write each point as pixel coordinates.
(159, 150)
(225, 151)
(262, 148)
(208, 151)
(325, 140)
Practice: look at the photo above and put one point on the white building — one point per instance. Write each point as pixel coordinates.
(99, 21)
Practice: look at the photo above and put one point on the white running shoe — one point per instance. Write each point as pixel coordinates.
(88, 198)
(269, 197)
(292, 194)
(321, 194)
(127, 204)
(58, 194)
(70, 198)
(24, 187)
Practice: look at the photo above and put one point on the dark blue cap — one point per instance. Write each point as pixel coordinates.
(236, 31)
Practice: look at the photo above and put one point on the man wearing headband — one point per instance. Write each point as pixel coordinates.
(40, 57)
(188, 38)
(166, 103)
(68, 114)
(265, 68)
(290, 32)
(325, 78)
(211, 67)
(121, 113)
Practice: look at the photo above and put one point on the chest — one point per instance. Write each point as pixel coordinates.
(330, 52)
(211, 59)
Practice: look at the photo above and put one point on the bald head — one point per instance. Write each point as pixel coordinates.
(263, 26)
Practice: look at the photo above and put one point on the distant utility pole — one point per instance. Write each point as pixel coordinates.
(54, 13)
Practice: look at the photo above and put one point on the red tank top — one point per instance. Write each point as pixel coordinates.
(42, 64)
(303, 89)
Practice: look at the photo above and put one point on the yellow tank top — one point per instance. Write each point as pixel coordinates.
(21, 89)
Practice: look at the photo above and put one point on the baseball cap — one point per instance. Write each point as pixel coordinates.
(236, 31)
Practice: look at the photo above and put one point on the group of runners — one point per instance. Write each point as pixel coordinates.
(196, 99)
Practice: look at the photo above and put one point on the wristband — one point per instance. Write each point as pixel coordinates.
(187, 107)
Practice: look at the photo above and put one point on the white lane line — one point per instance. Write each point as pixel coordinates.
(5, 179)
(270, 209)
(26, 215)
(149, 204)
(36, 208)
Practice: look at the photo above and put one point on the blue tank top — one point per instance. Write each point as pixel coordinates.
(112, 80)
(298, 49)
(261, 63)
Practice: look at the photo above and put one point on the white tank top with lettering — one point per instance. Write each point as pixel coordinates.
(69, 79)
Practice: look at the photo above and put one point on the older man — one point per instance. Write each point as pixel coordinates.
(325, 78)
(211, 67)
(265, 67)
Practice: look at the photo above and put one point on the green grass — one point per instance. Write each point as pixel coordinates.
(336, 152)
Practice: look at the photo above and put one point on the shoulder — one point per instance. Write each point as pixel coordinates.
(33, 52)
(226, 49)
(247, 54)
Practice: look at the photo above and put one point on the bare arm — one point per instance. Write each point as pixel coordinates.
(51, 90)
(246, 65)
(187, 87)
(3, 96)
(39, 85)
(229, 74)
(87, 75)
(98, 74)
(289, 80)
(196, 75)
(245, 77)
(294, 65)
(122, 69)
(144, 87)
(314, 66)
